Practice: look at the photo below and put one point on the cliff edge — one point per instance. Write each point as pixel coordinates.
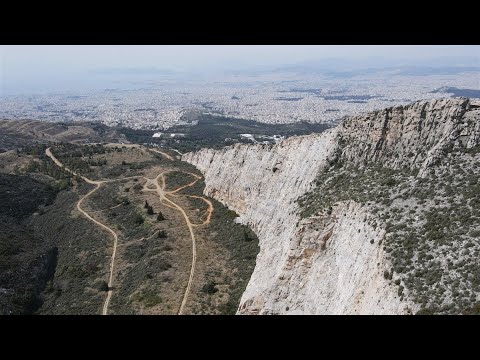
(334, 258)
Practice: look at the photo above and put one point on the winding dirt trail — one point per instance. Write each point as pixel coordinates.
(194, 245)
(160, 190)
(163, 153)
(48, 152)
(115, 242)
(209, 203)
(209, 210)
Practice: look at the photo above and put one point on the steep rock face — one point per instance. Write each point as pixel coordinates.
(413, 135)
(334, 265)
(261, 183)
(328, 264)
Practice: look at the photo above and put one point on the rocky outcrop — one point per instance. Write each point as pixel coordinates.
(413, 135)
(332, 263)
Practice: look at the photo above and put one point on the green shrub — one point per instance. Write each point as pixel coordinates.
(103, 286)
(209, 288)
(138, 219)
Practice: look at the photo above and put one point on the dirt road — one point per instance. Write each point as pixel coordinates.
(162, 153)
(209, 203)
(209, 210)
(160, 190)
(48, 152)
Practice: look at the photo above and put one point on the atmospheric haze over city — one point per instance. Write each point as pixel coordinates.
(238, 179)
(152, 86)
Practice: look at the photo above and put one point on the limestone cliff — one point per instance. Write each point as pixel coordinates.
(330, 263)
(412, 135)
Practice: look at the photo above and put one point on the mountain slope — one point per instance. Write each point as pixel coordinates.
(19, 133)
(351, 220)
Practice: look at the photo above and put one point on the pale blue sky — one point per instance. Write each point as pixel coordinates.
(31, 67)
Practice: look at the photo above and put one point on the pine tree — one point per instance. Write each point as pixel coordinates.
(160, 216)
(103, 286)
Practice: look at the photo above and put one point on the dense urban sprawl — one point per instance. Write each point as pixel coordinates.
(270, 99)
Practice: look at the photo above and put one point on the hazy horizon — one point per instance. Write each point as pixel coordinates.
(56, 68)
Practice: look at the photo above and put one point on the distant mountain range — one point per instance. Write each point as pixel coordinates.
(332, 67)
(458, 92)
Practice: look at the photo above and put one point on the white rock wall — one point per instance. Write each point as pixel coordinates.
(292, 270)
(326, 264)
(242, 177)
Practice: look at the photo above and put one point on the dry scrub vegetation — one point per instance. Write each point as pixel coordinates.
(432, 224)
(69, 255)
